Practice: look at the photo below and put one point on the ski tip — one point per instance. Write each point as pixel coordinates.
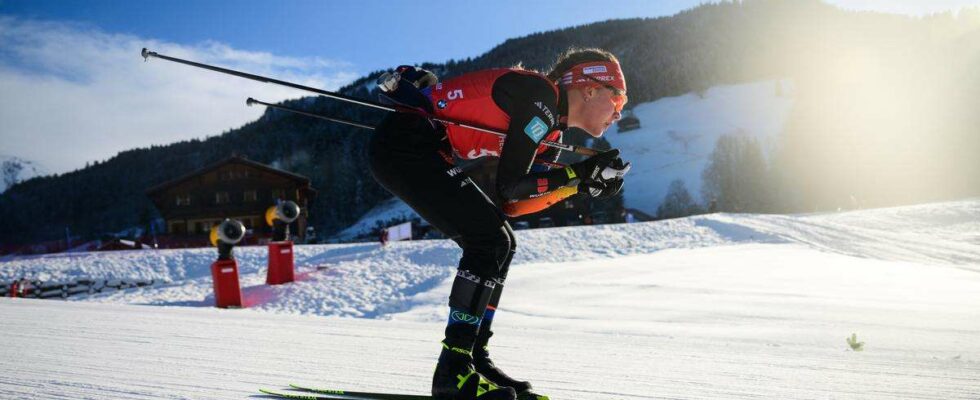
(276, 393)
(318, 390)
(282, 395)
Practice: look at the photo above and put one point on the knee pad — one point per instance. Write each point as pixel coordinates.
(488, 256)
(470, 294)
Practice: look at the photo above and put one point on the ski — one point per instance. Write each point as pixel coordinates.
(345, 394)
(329, 394)
(368, 395)
(310, 396)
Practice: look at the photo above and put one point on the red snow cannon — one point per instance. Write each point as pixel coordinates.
(227, 292)
(281, 267)
(280, 263)
(224, 271)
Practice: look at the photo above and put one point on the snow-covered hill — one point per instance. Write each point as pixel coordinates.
(388, 210)
(15, 169)
(386, 277)
(723, 306)
(678, 134)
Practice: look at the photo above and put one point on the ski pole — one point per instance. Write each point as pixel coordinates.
(250, 101)
(337, 96)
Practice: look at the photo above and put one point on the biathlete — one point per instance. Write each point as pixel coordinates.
(415, 159)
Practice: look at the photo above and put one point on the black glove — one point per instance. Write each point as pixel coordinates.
(616, 170)
(419, 77)
(403, 87)
(590, 170)
(602, 190)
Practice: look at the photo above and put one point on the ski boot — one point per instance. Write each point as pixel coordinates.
(455, 379)
(484, 366)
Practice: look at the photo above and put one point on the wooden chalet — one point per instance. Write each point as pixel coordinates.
(235, 188)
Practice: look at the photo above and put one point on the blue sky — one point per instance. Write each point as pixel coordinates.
(73, 88)
(368, 34)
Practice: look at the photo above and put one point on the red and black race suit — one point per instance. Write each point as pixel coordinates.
(404, 155)
(523, 104)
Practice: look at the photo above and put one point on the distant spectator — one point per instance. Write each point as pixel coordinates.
(23, 287)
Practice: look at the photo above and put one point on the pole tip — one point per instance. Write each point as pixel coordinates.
(249, 101)
(145, 53)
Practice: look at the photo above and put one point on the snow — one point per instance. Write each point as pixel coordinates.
(14, 170)
(388, 210)
(722, 306)
(678, 134)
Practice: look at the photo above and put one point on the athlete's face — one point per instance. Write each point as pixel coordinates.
(597, 108)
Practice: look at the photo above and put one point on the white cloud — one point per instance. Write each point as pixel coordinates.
(70, 93)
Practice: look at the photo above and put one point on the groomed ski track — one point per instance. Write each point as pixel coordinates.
(740, 307)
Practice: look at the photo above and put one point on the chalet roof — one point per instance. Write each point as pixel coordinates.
(235, 159)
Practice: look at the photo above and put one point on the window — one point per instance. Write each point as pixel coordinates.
(183, 199)
(221, 198)
(251, 195)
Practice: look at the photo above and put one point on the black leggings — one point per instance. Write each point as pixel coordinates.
(404, 159)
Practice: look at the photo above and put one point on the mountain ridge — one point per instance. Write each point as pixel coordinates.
(691, 51)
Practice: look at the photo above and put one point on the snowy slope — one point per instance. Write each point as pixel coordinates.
(942, 234)
(678, 134)
(723, 306)
(391, 209)
(16, 169)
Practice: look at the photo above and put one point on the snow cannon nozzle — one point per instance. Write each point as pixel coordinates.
(229, 232)
(286, 211)
(279, 217)
(225, 236)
